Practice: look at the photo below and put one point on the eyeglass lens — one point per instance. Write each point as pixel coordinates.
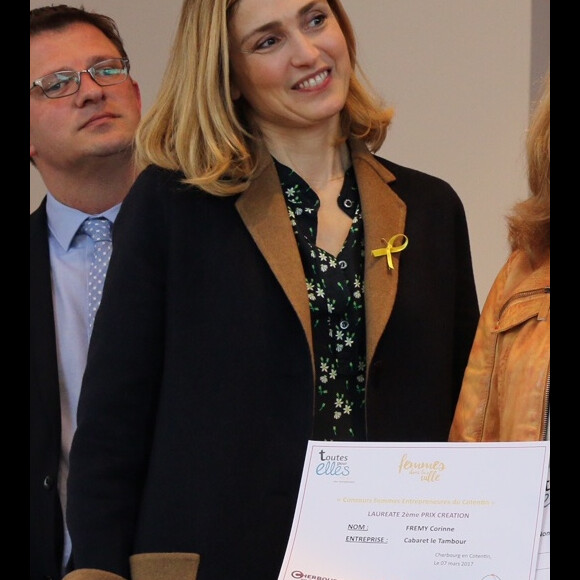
(64, 83)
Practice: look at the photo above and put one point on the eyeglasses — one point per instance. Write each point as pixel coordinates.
(64, 83)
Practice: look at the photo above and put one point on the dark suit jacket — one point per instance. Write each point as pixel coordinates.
(46, 529)
(197, 401)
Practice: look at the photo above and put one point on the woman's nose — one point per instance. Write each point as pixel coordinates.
(304, 49)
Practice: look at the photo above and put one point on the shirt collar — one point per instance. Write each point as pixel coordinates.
(64, 221)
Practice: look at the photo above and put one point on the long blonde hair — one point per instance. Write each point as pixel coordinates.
(529, 222)
(195, 126)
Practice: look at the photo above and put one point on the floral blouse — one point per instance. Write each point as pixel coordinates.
(336, 292)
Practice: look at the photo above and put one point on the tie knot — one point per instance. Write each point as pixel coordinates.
(99, 229)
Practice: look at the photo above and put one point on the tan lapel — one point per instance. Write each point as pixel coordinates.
(384, 216)
(262, 208)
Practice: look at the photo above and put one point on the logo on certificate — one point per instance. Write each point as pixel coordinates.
(425, 470)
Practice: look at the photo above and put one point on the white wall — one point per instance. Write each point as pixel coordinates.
(461, 75)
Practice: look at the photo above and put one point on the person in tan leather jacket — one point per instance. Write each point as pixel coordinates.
(506, 387)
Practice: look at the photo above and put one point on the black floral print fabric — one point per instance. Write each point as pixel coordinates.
(336, 291)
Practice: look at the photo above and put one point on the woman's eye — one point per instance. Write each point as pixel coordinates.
(275, 41)
(267, 43)
(318, 20)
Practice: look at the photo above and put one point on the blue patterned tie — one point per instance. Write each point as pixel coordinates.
(99, 230)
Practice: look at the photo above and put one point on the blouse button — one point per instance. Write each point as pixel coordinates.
(344, 324)
(342, 264)
(347, 203)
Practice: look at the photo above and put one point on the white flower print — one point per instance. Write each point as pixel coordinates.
(335, 289)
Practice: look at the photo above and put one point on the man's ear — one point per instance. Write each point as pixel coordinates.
(137, 89)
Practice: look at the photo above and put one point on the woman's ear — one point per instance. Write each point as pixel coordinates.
(235, 91)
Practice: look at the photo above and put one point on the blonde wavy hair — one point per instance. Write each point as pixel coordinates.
(529, 222)
(195, 126)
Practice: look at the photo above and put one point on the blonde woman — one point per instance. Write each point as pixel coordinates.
(275, 282)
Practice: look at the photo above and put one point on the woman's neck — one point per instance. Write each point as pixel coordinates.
(315, 164)
(316, 154)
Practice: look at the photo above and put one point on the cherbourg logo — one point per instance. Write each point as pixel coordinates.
(425, 470)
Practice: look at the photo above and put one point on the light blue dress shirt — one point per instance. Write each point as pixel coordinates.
(70, 258)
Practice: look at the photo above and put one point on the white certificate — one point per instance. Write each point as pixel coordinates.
(419, 511)
(543, 572)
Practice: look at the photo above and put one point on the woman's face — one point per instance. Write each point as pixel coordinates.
(289, 60)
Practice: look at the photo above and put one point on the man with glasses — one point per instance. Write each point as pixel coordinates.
(84, 110)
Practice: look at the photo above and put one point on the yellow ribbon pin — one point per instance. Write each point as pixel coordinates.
(390, 248)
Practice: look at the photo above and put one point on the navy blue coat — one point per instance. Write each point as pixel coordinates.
(197, 401)
(46, 529)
